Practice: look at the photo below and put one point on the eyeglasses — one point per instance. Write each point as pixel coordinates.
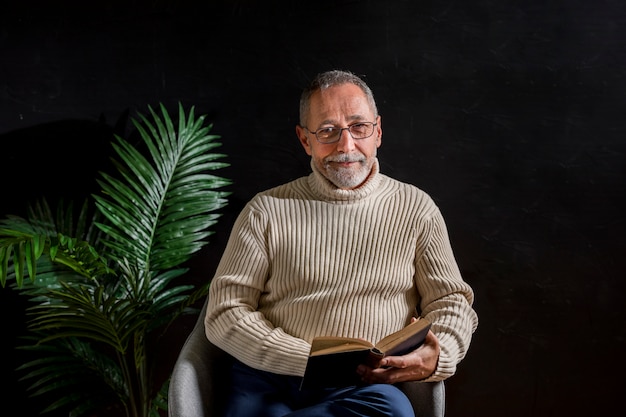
(359, 130)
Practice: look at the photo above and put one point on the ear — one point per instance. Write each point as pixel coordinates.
(304, 140)
(379, 131)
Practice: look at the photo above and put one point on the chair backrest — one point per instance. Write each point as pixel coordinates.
(200, 378)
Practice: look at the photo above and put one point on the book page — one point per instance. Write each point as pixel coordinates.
(401, 335)
(329, 344)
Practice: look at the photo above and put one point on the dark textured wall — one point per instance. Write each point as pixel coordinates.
(509, 113)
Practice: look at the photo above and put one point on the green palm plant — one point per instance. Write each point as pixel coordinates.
(105, 281)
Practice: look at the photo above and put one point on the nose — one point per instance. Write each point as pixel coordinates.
(346, 141)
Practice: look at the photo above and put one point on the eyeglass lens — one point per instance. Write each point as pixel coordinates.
(357, 130)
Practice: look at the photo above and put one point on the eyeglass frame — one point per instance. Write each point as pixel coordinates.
(341, 129)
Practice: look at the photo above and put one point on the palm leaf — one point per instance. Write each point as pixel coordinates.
(74, 367)
(103, 283)
(26, 240)
(153, 220)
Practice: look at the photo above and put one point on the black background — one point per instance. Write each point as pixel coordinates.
(511, 114)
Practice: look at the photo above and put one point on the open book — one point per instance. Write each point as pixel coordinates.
(333, 360)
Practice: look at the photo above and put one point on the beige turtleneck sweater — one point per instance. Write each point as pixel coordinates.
(306, 259)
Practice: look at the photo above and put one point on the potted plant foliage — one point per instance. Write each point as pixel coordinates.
(105, 280)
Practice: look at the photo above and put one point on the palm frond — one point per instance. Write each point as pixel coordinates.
(103, 279)
(160, 210)
(92, 315)
(160, 400)
(24, 240)
(74, 367)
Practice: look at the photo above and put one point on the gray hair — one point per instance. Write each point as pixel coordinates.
(332, 78)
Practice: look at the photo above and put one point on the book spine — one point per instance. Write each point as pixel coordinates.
(374, 357)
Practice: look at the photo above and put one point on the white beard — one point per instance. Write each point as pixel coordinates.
(348, 178)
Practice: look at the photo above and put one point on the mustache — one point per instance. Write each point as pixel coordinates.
(345, 158)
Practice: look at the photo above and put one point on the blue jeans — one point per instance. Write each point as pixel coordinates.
(257, 393)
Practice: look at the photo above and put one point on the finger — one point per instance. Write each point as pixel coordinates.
(395, 375)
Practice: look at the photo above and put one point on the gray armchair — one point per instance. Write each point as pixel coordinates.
(195, 392)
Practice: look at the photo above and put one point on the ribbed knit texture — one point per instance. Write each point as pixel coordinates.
(306, 259)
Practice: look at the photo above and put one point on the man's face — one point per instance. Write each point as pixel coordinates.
(347, 162)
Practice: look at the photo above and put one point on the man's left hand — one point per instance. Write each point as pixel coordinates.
(414, 366)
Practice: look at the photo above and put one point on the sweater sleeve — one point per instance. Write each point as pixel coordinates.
(446, 299)
(233, 322)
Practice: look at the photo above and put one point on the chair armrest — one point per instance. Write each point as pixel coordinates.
(428, 398)
(194, 390)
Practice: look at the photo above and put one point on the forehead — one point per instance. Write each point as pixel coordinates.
(339, 103)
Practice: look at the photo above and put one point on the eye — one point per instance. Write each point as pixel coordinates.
(359, 127)
(326, 131)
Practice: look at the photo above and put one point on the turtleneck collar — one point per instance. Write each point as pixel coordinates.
(321, 186)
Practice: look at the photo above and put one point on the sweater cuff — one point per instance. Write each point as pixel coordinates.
(446, 367)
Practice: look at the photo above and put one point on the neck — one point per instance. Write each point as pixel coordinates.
(320, 184)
